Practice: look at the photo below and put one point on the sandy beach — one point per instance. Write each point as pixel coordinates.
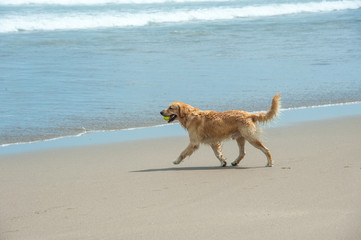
(131, 190)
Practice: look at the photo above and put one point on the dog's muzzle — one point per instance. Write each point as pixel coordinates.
(172, 117)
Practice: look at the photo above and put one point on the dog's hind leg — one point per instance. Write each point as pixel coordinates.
(187, 152)
(241, 144)
(257, 144)
(218, 152)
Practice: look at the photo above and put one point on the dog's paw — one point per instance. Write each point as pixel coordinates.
(223, 164)
(176, 162)
(269, 165)
(234, 164)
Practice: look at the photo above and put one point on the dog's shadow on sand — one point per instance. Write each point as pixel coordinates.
(215, 168)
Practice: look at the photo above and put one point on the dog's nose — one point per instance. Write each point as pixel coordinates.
(161, 113)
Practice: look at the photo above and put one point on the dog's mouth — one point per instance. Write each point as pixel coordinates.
(172, 118)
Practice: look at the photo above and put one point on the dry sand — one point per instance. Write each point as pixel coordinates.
(132, 191)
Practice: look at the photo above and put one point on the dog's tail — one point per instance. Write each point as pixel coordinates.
(270, 114)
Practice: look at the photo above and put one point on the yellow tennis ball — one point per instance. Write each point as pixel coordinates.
(166, 118)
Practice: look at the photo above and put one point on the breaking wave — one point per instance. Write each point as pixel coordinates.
(118, 17)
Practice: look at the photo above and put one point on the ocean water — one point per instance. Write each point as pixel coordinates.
(73, 66)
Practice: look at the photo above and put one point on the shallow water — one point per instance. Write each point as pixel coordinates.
(286, 118)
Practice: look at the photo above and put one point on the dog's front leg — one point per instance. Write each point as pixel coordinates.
(187, 152)
(218, 152)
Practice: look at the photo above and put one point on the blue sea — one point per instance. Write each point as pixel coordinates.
(68, 67)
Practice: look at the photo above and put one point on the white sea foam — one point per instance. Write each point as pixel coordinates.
(112, 18)
(49, 139)
(97, 2)
(322, 106)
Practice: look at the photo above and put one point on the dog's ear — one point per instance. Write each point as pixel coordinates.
(183, 110)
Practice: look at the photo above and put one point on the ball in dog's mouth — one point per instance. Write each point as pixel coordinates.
(172, 118)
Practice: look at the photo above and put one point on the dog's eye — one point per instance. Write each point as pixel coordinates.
(170, 108)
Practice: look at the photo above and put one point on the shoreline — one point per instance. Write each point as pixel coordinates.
(287, 117)
(131, 189)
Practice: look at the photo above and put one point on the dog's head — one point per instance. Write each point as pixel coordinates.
(177, 111)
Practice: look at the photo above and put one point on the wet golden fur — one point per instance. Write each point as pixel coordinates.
(212, 128)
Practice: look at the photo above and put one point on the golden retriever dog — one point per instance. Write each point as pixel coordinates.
(210, 127)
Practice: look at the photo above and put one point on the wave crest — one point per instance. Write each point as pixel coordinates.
(97, 2)
(113, 18)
